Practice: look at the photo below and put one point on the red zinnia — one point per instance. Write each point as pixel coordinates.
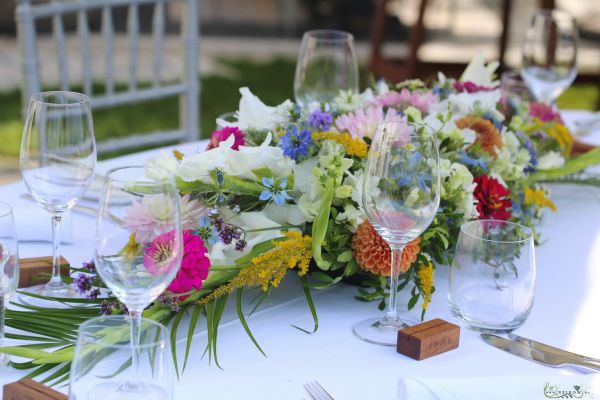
(492, 197)
(222, 135)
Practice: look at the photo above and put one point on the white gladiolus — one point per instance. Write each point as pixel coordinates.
(161, 166)
(254, 114)
(479, 73)
(550, 160)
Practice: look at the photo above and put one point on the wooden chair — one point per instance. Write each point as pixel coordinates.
(29, 13)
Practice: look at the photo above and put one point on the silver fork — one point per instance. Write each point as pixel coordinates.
(316, 391)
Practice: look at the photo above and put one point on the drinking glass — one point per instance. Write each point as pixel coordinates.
(139, 247)
(103, 352)
(58, 157)
(550, 54)
(400, 196)
(492, 278)
(9, 266)
(326, 64)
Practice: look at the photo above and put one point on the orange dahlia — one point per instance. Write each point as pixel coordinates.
(373, 254)
(488, 136)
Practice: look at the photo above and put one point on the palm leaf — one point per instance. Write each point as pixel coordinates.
(311, 305)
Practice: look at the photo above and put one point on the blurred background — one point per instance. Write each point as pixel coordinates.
(255, 44)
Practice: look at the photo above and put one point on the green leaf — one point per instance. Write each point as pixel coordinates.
(240, 313)
(311, 305)
(345, 256)
(195, 316)
(572, 166)
(319, 227)
(176, 321)
(413, 301)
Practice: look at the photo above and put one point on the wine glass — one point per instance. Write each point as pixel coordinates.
(102, 353)
(550, 54)
(9, 266)
(58, 157)
(139, 247)
(326, 64)
(492, 278)
(400, 196)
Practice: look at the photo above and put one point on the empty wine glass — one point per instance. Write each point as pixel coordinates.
(103, 352)
(326, 64)
(400, 196)
(58, 157)
(9, 266)
(492, 278)
(138, 250)
(550, 54)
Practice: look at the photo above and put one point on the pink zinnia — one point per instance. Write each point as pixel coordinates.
(222, 135)
(159, 256)
(544, 113)
(194, 265)
(405, 98)
(363, 122)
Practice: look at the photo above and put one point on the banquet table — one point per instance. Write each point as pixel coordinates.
(565, 314)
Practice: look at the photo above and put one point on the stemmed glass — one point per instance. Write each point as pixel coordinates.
(58, 157)
(103, 348)
(9, 266)
(139, 247)
(400, 196)
(326, 64)
(550, 54)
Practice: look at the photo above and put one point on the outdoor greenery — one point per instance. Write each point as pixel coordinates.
(271, 81)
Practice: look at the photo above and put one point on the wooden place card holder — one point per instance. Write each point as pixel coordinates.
(31, 268)
(428, 339)
(27, 389)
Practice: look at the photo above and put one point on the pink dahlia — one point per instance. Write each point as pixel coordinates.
(544, 113)
(363, 122)
(406, 98)
(222, 135)
(194, 265)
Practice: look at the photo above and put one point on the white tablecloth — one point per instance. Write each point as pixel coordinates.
(565, 315)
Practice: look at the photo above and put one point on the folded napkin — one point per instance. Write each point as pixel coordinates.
(34, 224)
(499, 387)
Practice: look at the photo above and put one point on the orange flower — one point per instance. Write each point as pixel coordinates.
(488, 136)
(373, 254)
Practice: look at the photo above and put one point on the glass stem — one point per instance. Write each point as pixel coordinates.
(392, 313)
(2, 311)
(136, 323)
(56, 249)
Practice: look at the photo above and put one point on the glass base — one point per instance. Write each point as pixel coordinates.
(487, 327)
(127, 391)
(58, 289)
(381, 331)
(4, 360)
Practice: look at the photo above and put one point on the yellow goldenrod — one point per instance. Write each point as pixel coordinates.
(354, 147)
(425, 275)
(558, 132)
(268, 269)
(539, 197)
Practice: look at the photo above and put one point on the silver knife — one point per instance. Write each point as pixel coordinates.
(541, 356)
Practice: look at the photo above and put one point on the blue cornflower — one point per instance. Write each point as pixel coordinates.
(275, 189)
(295, 143)
(320, 120)
(473, 162)
(532, 152)
(207, 231)
(421, 180)
(497, 124)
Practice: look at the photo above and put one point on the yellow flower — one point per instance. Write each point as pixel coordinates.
(539, 197)
(558, 132)
(425, 275)
(268, 269)
(354, 147)
(177, 154)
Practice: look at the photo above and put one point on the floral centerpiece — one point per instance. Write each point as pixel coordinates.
(280, 190)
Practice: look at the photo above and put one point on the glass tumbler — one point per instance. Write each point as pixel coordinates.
(492, 278)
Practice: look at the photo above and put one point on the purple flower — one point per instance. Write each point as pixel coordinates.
(90, 266)
(83, 283)
(296, 143)
(320, 120)
(105, 308)
(229, 232)
(93, 294)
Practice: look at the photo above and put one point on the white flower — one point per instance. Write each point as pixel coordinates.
(511, 160)
(550, 160)
(466, 103)
(239, 163)
(460, 183)
(161, 166)
(254, 114)
(352, 215)
(479, 73)
(381, 87)
(347, 100)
